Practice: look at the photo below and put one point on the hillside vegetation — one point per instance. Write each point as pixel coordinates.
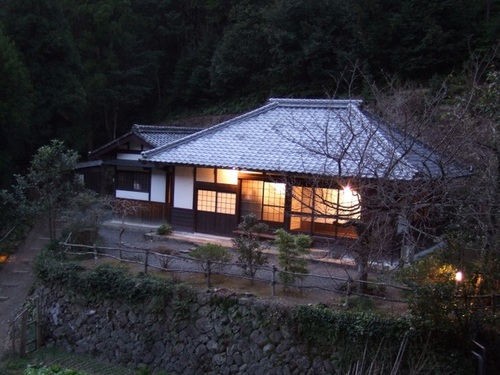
(85, 71)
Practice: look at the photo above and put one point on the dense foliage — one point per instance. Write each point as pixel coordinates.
(292, 249)
(110, 282)
(51, 370)
(84, 71)
(378, 344)
(48, 188)
(249, 246)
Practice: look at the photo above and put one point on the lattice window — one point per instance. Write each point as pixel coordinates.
(212, 201)
(226, 203)
(206, 200)
(273, 208)
(266, 200)
(133, 181)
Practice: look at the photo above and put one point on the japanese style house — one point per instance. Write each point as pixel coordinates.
(294, 163)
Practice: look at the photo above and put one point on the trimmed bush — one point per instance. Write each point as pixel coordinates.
(164, 229)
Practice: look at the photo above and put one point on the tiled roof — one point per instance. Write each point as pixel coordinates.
(157, 135)
(152, 135)
(319, 137)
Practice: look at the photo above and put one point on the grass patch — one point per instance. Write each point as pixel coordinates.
(52, 356)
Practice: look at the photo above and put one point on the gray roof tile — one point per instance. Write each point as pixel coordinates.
(152, 135)
(157, 135)
(319, 137)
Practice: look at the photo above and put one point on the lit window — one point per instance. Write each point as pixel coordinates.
(320, 210)
(273, 208)
(211, 201)
(226, 203)
(206, 200)
(266, 200)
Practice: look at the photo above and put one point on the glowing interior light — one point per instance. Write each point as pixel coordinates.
(459, 276)
(280, 188)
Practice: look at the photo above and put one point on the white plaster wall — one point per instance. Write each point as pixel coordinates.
(183, 187)
(158, 185)
(140, 196)
(124, 156)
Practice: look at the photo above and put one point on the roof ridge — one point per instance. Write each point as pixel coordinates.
(146, 154)
(164, 128)
(331, 103)
(271, 103)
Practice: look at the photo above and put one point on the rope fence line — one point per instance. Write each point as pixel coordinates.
(264, 274)
(151, 259)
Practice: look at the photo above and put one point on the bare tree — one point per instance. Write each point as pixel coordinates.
(433, 161)
(124, 208)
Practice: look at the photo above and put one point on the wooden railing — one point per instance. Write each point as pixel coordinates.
(25, 329)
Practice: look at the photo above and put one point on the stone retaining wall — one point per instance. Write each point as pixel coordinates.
(210, 335)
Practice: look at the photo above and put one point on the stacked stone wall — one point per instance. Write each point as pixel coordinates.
(211, 334)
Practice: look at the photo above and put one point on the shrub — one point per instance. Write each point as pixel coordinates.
(112, 282)
(51, 370)
(291, 250)
(433, 293)
(211, 253)
(164, 229)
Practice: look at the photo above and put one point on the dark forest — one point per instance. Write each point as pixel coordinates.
(84, 71)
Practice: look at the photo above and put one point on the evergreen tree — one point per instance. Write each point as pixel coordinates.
(119, 71)
(15, 109)
(291, 252)
(42, 35)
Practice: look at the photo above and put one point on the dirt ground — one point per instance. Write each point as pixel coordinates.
(16, 281)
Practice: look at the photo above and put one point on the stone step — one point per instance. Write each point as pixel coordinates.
(21, 271)
(3, 298)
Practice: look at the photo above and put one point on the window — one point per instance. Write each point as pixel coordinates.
(212, 201)
(133, 181)
(324, 210)
(206, 200)
(273, 208)
(266, 200)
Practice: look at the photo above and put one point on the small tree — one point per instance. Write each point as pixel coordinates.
(291, 250)
(248, 246)
(125, 208)
(50, 183)
(84, 216)
(207, 255)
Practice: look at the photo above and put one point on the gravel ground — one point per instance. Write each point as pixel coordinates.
(324, 272)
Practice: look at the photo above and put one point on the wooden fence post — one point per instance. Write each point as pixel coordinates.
(95, 253)
(146, 256)
(13, 324)
(39, 337)
(22, 342)
(347, 292)
(273, 281)
(209, 271)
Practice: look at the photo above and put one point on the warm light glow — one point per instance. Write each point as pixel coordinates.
(349, 204)
(227, 176)
(279, 188)
(459, 277)
(4, 258)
